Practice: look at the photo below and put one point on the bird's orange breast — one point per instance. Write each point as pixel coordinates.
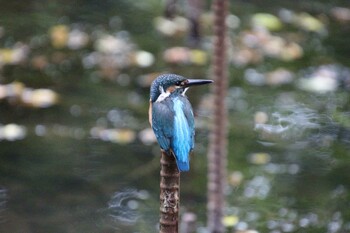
(150, 113)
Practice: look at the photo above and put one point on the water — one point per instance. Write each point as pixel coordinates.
(76, 150)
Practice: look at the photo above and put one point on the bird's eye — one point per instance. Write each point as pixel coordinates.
(178, 83)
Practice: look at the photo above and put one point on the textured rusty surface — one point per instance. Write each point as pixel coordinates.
(170, 9)
(194, 10)
(217, 148)
(169, 194)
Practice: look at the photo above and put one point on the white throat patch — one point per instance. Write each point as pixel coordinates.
(183, 93)
(163, 95)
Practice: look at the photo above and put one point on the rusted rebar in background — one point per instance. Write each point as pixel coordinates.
(170, 9)
(217, 154)
(193, 13)
(169, 194)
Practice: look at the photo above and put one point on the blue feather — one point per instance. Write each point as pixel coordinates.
(162, 118)
(183, 133)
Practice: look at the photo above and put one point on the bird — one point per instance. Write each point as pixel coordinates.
(171, 116)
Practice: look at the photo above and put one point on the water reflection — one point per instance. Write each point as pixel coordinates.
(326, 78)
(17, 93)
(122, 207)
(126, 208)
(3, 200)
(289, 124)
(259, 187)
(74, 96)
(12, 132)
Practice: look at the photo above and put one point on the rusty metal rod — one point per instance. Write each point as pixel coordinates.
(217, 147)
(169, 194)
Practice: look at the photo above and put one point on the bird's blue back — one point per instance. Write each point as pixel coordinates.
(173, 124)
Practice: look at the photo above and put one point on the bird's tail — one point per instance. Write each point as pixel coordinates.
(182, 165)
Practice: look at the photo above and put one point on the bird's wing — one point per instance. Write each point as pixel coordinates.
(190, 119)
(162, 124)
(182, 142)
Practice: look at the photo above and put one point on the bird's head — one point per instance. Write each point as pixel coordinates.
(168, 83)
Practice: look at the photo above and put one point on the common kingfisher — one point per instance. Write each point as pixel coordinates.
(171, 116)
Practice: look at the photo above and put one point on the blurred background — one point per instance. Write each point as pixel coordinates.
(76, 150)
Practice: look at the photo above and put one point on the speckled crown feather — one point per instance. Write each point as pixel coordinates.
(165, 81)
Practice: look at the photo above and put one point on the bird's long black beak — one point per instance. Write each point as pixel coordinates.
(196, 82)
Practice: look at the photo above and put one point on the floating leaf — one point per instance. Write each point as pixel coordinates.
(230, 221)
(267, 21)
(59, 36)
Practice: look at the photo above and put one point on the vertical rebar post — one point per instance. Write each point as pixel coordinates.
(193, 13)
(169, 194)
(217, 148)
(170, 9)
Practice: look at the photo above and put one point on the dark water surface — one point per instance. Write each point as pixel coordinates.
(76, 151)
